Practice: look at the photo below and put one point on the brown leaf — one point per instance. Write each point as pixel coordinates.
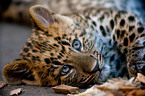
(65, 89)
(16, 92)
(126, 88)
(136, 93)
(140, 78)
(94, 91)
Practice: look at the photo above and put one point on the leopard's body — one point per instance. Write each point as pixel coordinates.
(81, 48)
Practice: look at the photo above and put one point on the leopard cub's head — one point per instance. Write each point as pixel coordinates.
(59, 51)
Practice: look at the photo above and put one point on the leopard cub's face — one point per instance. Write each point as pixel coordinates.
(58, 52)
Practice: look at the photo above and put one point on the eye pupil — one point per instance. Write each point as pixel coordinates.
(65, 67)
(75, 43)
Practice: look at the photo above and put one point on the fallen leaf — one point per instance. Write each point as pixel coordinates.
(93, 91)
(117, 84)
(65, 89)
(113, 87)
(16, 92)
(136, 93)
(116, 87)
(140, 78)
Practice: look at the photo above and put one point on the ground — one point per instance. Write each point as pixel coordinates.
(12, 39)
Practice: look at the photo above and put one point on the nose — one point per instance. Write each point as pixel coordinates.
(85, 61)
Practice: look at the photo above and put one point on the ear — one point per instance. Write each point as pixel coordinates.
(18, 72)
(41, 16)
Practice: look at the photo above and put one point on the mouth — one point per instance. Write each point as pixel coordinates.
(99, 63)
(96, 68)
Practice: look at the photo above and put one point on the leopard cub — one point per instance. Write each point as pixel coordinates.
(78, 49)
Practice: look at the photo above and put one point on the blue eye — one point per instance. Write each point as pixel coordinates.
(65, 70)
(76, 44)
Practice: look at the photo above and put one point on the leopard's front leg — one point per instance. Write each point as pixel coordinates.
(136, 57)
(130, 36)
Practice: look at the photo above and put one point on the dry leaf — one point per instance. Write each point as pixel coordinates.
(110, 88)
(115, 84)
(2, 84)
(16, 91)
(93, 91)
(136, 93)
(140, 78)
(65, 89)
(116, 87)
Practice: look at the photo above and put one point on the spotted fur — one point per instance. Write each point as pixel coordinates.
(79, 49)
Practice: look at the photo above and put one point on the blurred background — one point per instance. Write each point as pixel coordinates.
(12, 40)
